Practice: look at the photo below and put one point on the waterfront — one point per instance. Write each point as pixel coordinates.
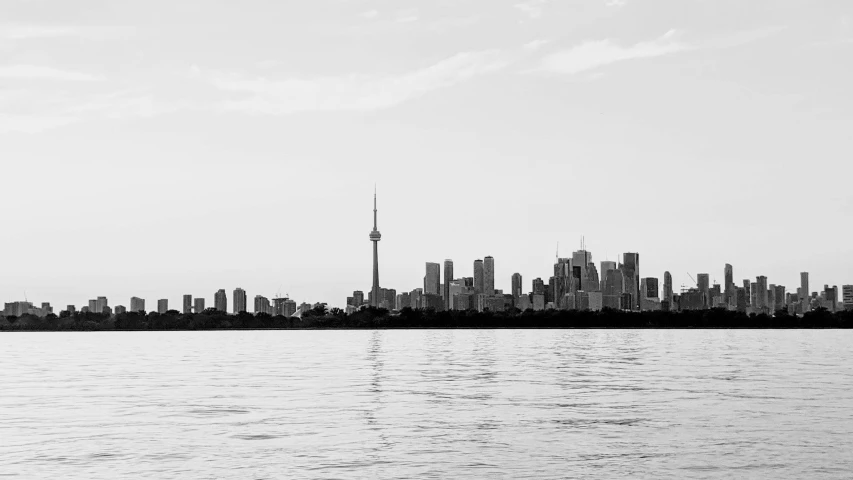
(427, 403)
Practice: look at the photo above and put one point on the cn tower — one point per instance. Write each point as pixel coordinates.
(375, 236)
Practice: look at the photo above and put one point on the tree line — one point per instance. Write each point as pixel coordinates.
(374, 318)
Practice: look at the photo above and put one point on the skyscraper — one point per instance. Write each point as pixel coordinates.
(667, 288)
(847, 296)
(239, 300)
(188, 304)
(805, 293)
(198, 305)
(100, 304)
(631, 272)
(357, 298)
(432, 280)
(516, 285)
(448, 277)
(703, 283)
(728, 293)
(220, 300)
(375, 236)
(478, 276)
(162, 306)
(489, 276)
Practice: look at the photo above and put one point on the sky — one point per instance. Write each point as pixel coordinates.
(159, 148)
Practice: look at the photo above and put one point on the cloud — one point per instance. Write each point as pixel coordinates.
(46, 73)
(369, 14)
(615, 3)
(594, 54)
(531, 8)
(351, 92)
(26, 32)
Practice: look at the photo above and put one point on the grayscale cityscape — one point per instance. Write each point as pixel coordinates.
(576, 284)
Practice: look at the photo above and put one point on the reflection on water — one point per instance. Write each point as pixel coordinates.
(439, 404)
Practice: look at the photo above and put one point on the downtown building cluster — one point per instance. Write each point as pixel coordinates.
(577, 284)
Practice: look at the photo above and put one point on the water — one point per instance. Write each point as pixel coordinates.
(427, 404)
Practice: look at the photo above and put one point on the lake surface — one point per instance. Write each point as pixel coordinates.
(427, 404)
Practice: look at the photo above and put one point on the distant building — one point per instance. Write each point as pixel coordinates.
(495, 304)
(462, 301)
(478, 276)
(433, 301)
(631, 273)
(489, 276)
(596, 301)
(448, 277)
(780, 297)
(357, 298)
(614, 282)
(162, 305)
(703, 283)
(198, 305)
(416, 298)
(71, 309)
(220, 300)
(523, 302)
(516, 285)
(262, 305)
(692, 299)
(667, 288)
(805, 293)
(761, 300)
(137, 304)
(538, 286)
(847, 296)
(432, 279)
(538, 301)
(188, 304)
(239, 300)
(120, 310)
(93, 306)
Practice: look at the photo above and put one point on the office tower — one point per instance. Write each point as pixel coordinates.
(137, 304)
(631, 272)
(489, 276)
(747, 288)
(289, 307)
(667, 288)
(188, 304)
(404, 301)
(704, 286)
(71, 309)
(805, 293)
(847, 296)
(516, 285)
(761, 293)
(357, 298)
(580, 265)
(830, 297)
(198, 305)
(389, 298)
(741, 299)
(220, 300)
(538, 286)
(93, 306)
(478, 276)
(162, 306)
(729, 284)
(771, 298)
(100, 303)
(120, 310)
(606, 266)
(591, 282)
(375, 236)
(652, 289)
(448, 277)
(416, 298)
(432, 280)
(753, 294)
(614, 288)
(239, 300)
(262, 305)
(780, 297)
(561, 282)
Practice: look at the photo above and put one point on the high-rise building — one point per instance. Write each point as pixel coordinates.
(220, 300)
(432, 280)
(120, 310)
(448, 277)
(771, 298)
(100, 303)
(357, 298)
(780, 297)
(239, 300)
(606, 266)
(137, 304)
(478, 276)
(761, 292)
(375, 236)
(580, 267)
(747, 289)
(538, 286)
(162, 306)
(631, 272)
(489, 276)
(516, 285)
(188, 304)
(198, 305)
(651, 289)
(703, 283)
(805, 293)
(93, 306)
(262, 305)
(614, 288)
(729, 284)
(667, 288)
(847, 296)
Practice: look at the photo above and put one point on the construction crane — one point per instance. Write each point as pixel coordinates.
(691, 278)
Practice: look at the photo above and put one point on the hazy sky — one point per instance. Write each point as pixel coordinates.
(156, 148)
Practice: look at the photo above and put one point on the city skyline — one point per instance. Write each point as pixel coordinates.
(622, 285)
(138, 160)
